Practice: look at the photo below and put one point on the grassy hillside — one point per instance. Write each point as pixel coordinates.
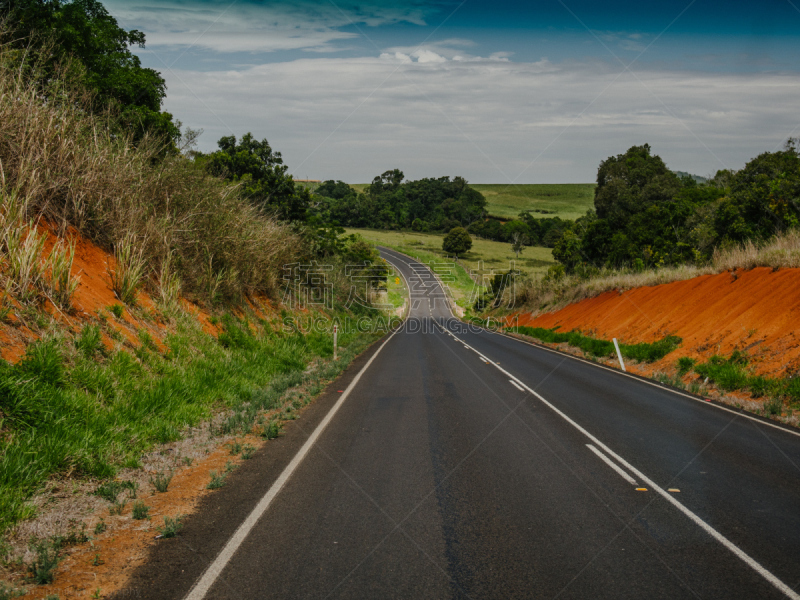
(564, 200)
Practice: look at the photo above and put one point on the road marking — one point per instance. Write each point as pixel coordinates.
(738, 552)
(516, 385)
(646, 381)
(613, 465)
(733, 548)
(214, 570)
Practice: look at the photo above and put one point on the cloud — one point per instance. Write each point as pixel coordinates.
(489, 121)
(258, 27)
(438, 52)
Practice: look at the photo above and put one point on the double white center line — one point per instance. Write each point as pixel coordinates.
(613, 465)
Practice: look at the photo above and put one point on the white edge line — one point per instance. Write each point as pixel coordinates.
(739, 553)
(646, 381)
(209, 577)
(613, 465)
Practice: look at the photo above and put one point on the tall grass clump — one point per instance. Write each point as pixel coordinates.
(62, 163)
(129, 268)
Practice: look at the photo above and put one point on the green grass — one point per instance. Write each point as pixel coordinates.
(732, 373)
(603, 348)
(564, 200)
(64, 411)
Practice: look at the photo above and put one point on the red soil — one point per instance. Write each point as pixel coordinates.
(124, 545)
(757, 311)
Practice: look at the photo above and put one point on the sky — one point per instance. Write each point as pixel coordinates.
(495, 91)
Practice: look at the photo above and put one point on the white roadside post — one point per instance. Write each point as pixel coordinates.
(335, 335)
(619, 354)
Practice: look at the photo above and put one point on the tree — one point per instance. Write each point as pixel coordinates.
(83, 32)
(457, 241)
(518, 242)
(262, 175)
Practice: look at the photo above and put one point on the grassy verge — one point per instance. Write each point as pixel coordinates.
(71, 407)
(732, 374)
(602, 348)
(396, 291)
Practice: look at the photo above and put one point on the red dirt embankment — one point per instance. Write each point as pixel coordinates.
(757, 311)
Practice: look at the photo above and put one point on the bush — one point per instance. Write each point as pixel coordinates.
(172, 525)
(685, 364)
(140, 510)
(46, 561)
(457, 241)
(160, 481)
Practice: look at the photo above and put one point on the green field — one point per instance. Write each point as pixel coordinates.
(484, 259)
(564, 200)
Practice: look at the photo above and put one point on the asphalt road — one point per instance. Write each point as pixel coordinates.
(466, 464)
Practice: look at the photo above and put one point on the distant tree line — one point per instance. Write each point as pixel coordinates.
(389, 202)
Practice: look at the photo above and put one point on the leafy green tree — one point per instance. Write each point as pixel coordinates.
(262, 175)
(457, 241)
(628, 183)
(82, 34)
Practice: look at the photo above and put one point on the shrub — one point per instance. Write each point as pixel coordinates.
(217, 481)
(271, 430)
(172, 525)
(685, 364)
(117, 310)
(140, 510)
(46, 561)
(111, 490)
(160, 481)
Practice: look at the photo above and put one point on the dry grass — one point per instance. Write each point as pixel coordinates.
(782, 251)
(59, 163)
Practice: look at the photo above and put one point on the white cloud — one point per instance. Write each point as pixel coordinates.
(250, 27)
(428, 56)
(489, 121)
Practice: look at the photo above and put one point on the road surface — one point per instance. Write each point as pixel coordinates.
(466, 464)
